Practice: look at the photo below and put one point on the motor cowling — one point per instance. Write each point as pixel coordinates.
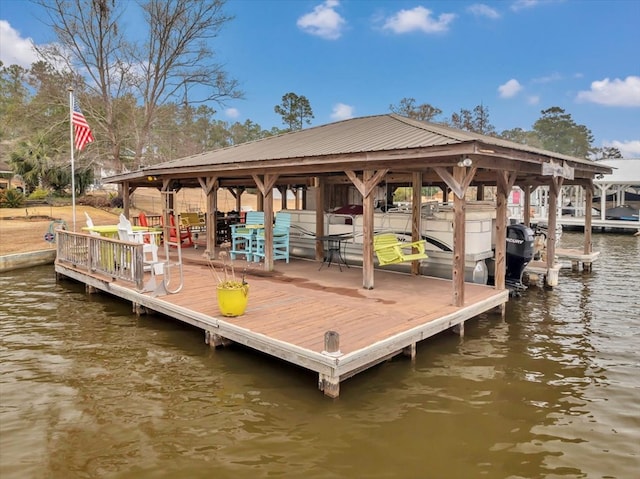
(520, 250)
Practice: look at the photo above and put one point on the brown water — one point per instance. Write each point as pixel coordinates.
(87, 390)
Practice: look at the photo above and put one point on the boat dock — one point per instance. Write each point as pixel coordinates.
(318, 319)
(578, 222)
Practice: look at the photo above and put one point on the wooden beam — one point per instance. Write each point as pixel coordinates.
(265, 183)
(554, 190)
(459, 206)
(506, 180)
(458, 185)
(527, 205)
(502, 194)
(210, 187)
(126, 199)
(368, 177)
(268, 229)
(588, 218)
(283, 196)
(416, 203)
(366, 185)
(320, 191)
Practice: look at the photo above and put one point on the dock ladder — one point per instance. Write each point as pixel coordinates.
(171, 263)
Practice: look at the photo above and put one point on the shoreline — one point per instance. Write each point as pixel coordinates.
(15, 261)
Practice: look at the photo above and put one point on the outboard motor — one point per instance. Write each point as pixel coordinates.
(519, 254)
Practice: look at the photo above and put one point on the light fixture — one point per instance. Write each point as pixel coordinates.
(466, 161)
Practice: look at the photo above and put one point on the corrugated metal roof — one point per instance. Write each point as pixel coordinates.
(378, 133)
(356, 135)
(626, 172)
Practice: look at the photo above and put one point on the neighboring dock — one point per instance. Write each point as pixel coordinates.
(599, 224)
(321, 320)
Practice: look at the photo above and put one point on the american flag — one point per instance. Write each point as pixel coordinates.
(81, 127)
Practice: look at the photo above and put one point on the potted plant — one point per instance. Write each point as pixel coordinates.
(232, 293)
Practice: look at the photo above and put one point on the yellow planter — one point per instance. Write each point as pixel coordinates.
(232, 299)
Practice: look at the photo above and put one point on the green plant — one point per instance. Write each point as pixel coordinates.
(39, 194)
(11, 198)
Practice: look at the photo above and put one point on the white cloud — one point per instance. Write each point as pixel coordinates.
(15, 50)
(522, 4)
(548, 79)
(342, 112)
(232, 113)
(629, 149)
(324, 21)
(510, 89)
(418, 19)
(482, 10)
(613, 92)
(533, 100)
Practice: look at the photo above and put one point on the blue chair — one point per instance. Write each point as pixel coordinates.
(280, 238)
(243, 238)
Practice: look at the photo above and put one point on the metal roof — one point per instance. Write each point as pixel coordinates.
(626, 172)
(346, 139)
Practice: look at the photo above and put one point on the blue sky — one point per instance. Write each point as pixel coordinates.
(356, 57)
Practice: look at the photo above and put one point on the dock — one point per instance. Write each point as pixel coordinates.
(294, 309)
(599, 224)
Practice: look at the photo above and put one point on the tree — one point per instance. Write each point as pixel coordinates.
(35, 161)
(476, 121)
(408, 108)
(558, 132)
(518, 135)
(13, 101)
(244, 132)
(295, 110)
(173, 61)
(607, 153)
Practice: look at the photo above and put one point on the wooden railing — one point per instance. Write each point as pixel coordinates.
(117, 259)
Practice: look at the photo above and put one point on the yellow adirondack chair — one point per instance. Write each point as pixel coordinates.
(391, 251)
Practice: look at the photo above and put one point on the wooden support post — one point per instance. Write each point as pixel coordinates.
(283, 196)
(237, 193)
(215, 340)
(458, 329)
(90, 289)
(210, 188)
(416, 204)
(367, 232)
(502, 193)
(260, 199)
(527, 205)
(332, 343)
(138, 309)
(330, 385)
(588, 218)
(459, 206)
(410, 351)
(126, 198)
(554, 190)
(458, 182)
(265, 184)
(320, 190)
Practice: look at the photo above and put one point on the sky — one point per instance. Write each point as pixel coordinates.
(354, 58)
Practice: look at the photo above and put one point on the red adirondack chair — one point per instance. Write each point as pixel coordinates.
(185, 233)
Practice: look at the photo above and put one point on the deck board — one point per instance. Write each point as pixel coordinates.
(290, 310)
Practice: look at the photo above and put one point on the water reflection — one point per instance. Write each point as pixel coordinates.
(89, 390)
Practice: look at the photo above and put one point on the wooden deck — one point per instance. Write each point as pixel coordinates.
(291, 309)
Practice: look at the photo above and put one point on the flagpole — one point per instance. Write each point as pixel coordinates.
(73, 176)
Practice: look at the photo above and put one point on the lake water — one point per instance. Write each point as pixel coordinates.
(88, 390)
